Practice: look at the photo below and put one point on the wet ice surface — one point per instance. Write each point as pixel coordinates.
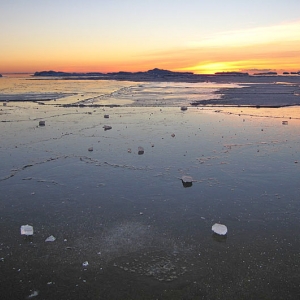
(268, 94)
(142, 233)
(53, 91)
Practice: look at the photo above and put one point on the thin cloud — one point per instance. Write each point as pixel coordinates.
(261, 35)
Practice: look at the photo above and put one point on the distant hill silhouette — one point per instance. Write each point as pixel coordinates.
(153, 72)
(162, 75)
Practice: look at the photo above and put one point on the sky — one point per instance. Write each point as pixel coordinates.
(198, 36)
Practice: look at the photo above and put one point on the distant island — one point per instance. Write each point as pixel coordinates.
(161, 75)
(151, 73)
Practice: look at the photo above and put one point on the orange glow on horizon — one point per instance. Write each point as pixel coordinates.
(206, 58)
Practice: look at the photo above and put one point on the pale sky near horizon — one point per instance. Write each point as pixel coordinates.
(115, 35)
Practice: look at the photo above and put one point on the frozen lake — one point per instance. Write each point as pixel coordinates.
(125, 226)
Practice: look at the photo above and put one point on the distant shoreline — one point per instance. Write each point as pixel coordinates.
(157, 75)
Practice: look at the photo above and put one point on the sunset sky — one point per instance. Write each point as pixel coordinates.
(131, 35)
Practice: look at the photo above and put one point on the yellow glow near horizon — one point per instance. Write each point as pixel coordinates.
(212, 68)
(271, 48)
(271, 64)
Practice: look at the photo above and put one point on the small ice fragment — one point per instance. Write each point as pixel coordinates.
(107, 127)
(85, 264)
(91, 149)
(51, 238)
(4, 103)
(129, 150)
(285, 122)
(187, 181)
(219, 229)
(33, 294)
(183, 108)
(42, 123)
(140, 150)
(106, 116)
(173, 135)
(26, 230)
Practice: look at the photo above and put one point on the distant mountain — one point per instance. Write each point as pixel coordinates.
(64, 74)
(162, 72)
(160, 75)
(154, 72)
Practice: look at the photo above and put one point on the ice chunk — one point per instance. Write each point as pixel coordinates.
(85, 264)
(187, 181)
(173, 135)
(186, 178)
(90, 149)
(107, 127)
(33, 294)
(42, 123)
(140, 150)
(219, 229)
(106, 116)
(51, 238)
(183, 108)
(26, 230)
